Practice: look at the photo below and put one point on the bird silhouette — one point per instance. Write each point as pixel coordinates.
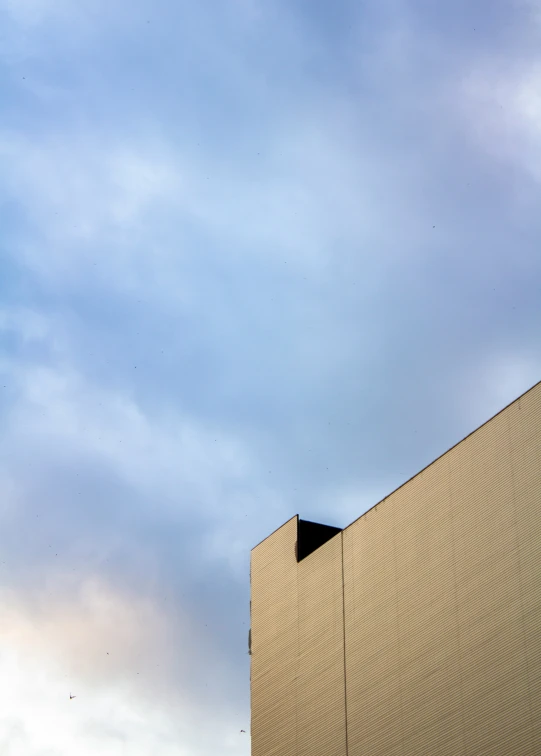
(243, 730)
(72, 696)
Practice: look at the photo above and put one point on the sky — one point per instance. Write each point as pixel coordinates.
(257, 258)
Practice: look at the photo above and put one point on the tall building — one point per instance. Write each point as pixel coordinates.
(416, 630)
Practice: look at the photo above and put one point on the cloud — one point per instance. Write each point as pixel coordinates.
(112, 652)
(84, 204)
(504, 112)
(178, 466)
(255, 261)
(109, 528)
(79, 194)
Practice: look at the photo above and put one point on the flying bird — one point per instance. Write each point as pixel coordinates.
(72, 696)
(243, 730)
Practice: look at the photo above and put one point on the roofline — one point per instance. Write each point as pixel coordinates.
(417, 473)
(445, 452)
(274, 531)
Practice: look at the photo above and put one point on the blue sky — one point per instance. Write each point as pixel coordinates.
(256, 259)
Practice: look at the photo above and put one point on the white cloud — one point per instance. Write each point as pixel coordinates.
(113, 653)
(500, 102)
(301, 176)
(185, 469)
(29, 325)
(311, 194)
(78, 190)
(58, 409)
(56, 633)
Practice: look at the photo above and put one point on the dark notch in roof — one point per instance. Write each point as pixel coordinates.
(312, 535)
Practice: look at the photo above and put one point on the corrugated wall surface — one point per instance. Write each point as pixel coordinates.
(321, 713)
(275, 644)
(442, 604)
(297, 664)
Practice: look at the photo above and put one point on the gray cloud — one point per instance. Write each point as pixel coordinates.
(254, 263)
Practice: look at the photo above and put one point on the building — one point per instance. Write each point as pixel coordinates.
(416, 630)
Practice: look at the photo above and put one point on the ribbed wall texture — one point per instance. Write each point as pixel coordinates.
(275, 643)
(321, 714)
(417, 630)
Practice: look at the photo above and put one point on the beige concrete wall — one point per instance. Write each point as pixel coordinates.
(297, 662)
(275, 644)
(321, 711)
(443, 602)
(438, 614)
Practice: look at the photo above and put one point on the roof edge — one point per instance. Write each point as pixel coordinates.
(445, 452)
(275, 531)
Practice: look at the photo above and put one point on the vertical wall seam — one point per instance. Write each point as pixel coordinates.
(298, 657)
(456, 612)
(521, 582)
(398, 645)
(344, 643)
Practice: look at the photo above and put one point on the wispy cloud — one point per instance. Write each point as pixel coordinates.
(113, 653)
(256, 259)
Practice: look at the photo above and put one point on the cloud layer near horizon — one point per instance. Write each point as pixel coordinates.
(256, 259)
